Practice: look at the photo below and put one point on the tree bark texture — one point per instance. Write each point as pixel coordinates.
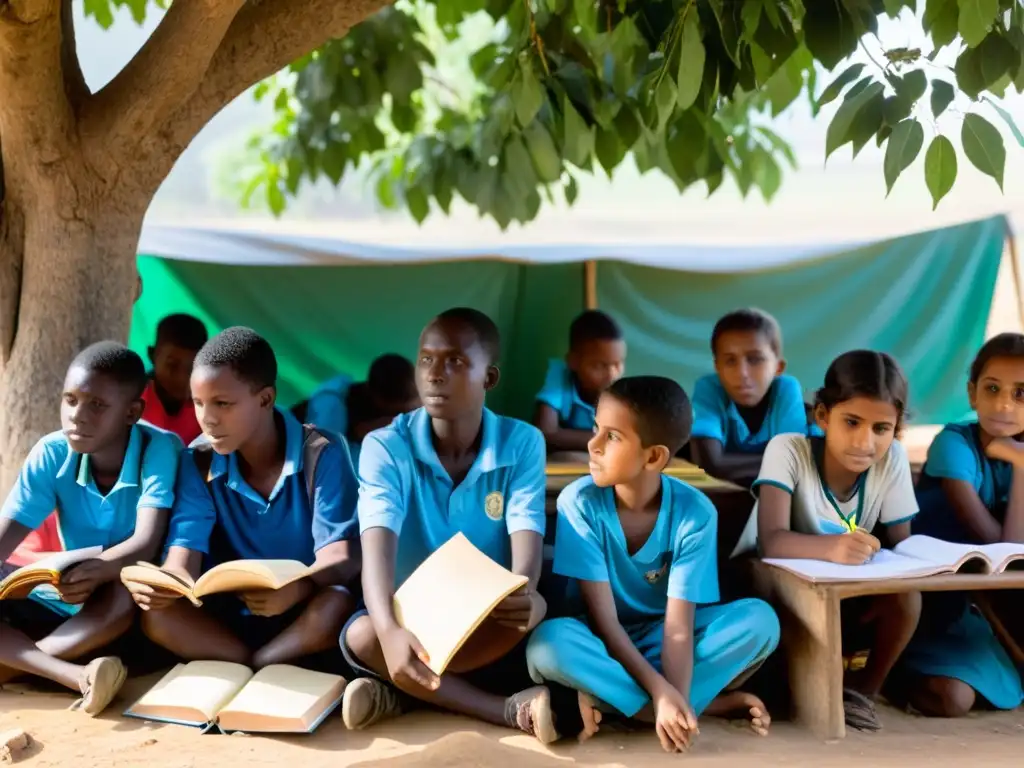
(80, 169)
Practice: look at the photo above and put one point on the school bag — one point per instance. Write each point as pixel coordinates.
(313, 443)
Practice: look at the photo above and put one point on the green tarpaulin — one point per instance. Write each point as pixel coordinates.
(925, 298)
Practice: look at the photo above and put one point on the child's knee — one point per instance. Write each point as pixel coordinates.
(360, 638)
(330, 607)
(120, 604)
(760, 623)
(549, 645)
(904, 607)
(159, 626)
(947, 697)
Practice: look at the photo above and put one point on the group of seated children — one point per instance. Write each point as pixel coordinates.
(653, 641)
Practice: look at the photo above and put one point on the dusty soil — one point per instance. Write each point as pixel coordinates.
(432, 740)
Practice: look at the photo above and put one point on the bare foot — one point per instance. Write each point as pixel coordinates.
(735, 704)
(590, 714)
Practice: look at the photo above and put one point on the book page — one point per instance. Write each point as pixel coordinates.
(155, 577)
(243, 575)
(43, 569)
(449, 595)
(941, 552)
(886, 564)
(199, 686)
(1003, 554)
(281, 697)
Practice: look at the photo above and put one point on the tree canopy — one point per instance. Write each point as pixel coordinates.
(688, 87)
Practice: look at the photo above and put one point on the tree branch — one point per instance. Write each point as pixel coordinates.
(162, 76)
(265, 37)
(74, 81)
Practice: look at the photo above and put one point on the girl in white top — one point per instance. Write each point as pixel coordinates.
(824, 498)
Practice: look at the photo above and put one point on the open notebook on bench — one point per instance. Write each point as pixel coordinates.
(914, 557)
(228, 697)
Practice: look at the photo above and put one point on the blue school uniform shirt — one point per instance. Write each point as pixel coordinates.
(956, 454)
(560, 393)
(679, 559)
(226, 519)
(404, 488)
(327, 407)
(56, 478)
(716, 417)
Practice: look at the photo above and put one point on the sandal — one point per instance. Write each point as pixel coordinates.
(859, 711)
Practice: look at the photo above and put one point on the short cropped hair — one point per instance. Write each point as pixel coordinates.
(593, 325)
(392, 378)
(183, 331)
(115, 360)
(750, 319)
(662, 410)
(245, 352)
(481, 325)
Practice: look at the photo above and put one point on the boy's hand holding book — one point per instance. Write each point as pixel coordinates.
(523, 610)
(150, 597)
(407, 660)
(854, 548)
(274, 602)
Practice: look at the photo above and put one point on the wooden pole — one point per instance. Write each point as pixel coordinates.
(590, 284)
(1011, 242)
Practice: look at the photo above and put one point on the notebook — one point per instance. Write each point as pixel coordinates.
(914, 557)
(45, 570)
(233, 576)
(449, 596)
(228, 697)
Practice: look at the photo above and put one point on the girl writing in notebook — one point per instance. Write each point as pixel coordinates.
(838, 498)
(972, 491)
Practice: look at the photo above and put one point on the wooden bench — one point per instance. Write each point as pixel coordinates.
(811, 636)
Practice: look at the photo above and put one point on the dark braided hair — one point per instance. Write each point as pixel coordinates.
(865, 373)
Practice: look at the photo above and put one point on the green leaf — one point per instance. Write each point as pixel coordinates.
(691, 63)
(100, 10)
(527, 96)
(904, 145)
(665, 101)
(896, 109)
(912, 85)
(942, 96)
(546, 159)
(867, 123)
(571, 191)
(786, 84)
(333, 161)
(767, 174)
(832, 91)
(976, 17)
(275, 197)
(609, 150)
(941, 19)
(417, 203)
(983, 145)
(751, 15)
(829, 32)
(578, 144)
(1008, 119)
(779, 145)
(839, 129)
(519, 167)
(940, 168)
(893, 7)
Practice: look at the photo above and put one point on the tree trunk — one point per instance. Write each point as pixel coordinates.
(77, 286)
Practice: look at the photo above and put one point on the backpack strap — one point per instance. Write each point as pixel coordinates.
(313, 443)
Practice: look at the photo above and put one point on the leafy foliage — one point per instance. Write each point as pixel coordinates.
(553, 88)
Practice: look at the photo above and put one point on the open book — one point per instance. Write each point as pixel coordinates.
(45, 570)
(218, 694)
(233, 576)
(449, 596)
(914, 557)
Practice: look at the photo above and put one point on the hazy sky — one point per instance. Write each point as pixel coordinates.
(819, 197)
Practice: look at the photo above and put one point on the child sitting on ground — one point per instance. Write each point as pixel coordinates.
(972, 491)
(747, 400)
(255, 489)
(824, 498)
(450, 466)
(566, 404)
(655, 645)
(111, 481)
(167, 396)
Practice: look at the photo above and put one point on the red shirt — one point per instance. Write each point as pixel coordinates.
(184, 423)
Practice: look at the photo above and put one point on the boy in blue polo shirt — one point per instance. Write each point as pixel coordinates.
(105, 481)
(253, 497)
(747, 400)
(654, 645)
(450, 466)
(565, 405)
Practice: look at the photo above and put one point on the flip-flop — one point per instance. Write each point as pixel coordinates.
(102, 680)
(859, 711)
(530, 711)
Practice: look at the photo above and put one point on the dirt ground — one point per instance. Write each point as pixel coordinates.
(429, 740)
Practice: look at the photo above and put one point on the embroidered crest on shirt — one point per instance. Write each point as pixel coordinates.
(494, 505)
(653, 577)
